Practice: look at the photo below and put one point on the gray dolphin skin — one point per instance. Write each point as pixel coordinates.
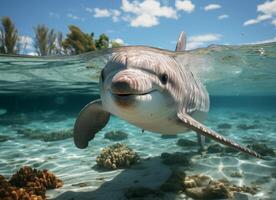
(153, 90)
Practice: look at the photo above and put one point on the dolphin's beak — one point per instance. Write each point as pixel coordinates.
(125, 82)
(121, 87)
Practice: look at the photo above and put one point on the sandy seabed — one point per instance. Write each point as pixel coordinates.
(82, 180)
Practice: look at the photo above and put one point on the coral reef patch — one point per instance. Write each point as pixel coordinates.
(46, 137)
(217, 148)
(224, 126)
(247, 127)
(28, 184)
(201, 186)
(262, 149)
(175, 158)
(4, 138)
(116, 135)
(236, 175)
(168, 136)
(117, 156)
(186, 143)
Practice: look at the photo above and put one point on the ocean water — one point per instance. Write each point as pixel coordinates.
(45, 94)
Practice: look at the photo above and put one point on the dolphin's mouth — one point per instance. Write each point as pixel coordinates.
(128, 99)
(130, 94)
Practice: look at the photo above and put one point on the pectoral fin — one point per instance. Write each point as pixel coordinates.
(203, 130)
(92, 118)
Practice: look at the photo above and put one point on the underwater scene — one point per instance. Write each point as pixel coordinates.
(40, 98)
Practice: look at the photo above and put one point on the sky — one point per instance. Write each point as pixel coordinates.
(150, 22)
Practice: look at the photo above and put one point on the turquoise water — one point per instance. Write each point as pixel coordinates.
(46, 94)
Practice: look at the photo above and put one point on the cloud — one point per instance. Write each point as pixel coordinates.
(259, 19)
(223, 17)
(74, 17)
(143, 13)
(99, 13)
(185, 5)
(119, 41)
(269, 8)
(201, 40)
(26, 42)
(212, 7)
(146, 13)
(54, 15)
(267, 12)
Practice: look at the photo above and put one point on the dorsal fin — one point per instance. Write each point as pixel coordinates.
(181, 43)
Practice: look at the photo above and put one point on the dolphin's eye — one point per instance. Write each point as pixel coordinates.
(164, 78)
(102, 75)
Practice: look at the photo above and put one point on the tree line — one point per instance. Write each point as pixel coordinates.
(50, 42)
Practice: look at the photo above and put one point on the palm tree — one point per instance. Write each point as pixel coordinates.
(47, 41)
(40, 43)
(77, 41)
(9, 39)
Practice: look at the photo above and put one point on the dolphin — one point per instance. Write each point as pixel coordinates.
(153, 90)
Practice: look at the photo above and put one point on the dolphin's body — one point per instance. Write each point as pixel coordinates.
(152, 90)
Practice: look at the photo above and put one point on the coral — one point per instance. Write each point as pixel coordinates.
(236, 175)
(4, 138)
(27, 176)
(186, 143)
(28, 184)
(117, 156)
(200, 186)
(224, 126)
(262, 149)
(46, 137)
(230, 150)
(215, 148)
(246, 127)
(116, 135)
(58, 135)
(168, 136)
(175, 158)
